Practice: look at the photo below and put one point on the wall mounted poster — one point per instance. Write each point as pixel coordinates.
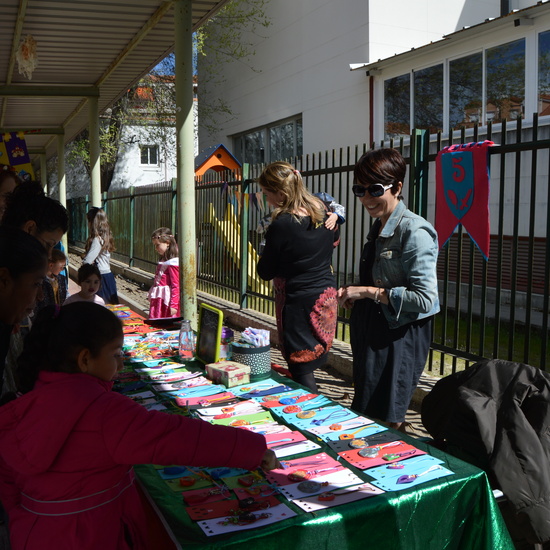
(13, 153)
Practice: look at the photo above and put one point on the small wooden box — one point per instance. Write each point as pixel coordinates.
(228, 373)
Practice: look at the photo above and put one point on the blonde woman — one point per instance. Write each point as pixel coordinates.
(99, 246)
(297, 257)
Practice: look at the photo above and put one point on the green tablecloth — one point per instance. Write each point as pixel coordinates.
(453, 512)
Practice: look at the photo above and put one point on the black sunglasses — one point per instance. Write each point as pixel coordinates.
(374, 190)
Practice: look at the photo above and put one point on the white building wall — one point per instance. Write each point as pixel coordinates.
(304, 59)
(130, 172)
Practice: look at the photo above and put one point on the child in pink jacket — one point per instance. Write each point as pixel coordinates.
(67, 444)
(164, 295)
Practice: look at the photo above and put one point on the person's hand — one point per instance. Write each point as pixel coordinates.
(173, 311)
(330, 222)
(270, 461)
(346, 297)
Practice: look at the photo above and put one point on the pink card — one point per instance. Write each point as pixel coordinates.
(385, 454)
(307, 467)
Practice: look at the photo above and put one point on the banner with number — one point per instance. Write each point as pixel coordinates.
(462, 193)
(13, 153)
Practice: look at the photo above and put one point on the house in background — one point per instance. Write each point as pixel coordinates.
(147, 145)
(431, 64)
(304, 98)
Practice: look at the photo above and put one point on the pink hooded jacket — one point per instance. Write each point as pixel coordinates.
(67, 448)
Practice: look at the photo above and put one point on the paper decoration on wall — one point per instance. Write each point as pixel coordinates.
(13, 152)
(462, 193)
(26, 56)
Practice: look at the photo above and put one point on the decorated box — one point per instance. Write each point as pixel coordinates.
(228, 373)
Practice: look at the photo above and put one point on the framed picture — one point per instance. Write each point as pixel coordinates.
(209, 334)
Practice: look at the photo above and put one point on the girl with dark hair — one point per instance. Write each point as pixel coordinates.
(397, 295)
(89, 279)
(297, 256)
(164, 295)
(29, 209)
(23, 266)
(99, 246)
(68, 443)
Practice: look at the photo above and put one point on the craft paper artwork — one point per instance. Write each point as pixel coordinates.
(191, 401)
(412, 474)
(262, 518)
(292, 443)
(297, 396)
(330, 482)
(399, 450)
(341, 445)
(243, 407)
(312, 466)
(325, 417)
(243, 420)
(228, 508)
(462, 193)
(267, 428)
(329, 429)
(337, 497)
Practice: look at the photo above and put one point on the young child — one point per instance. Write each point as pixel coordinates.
(99, 246)
(89, 279)
(53, 287)
(68, 443)
(164, 295)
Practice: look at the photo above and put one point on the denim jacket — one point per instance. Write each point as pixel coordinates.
(405, 265)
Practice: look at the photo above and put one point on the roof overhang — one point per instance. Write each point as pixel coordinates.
(85, 48)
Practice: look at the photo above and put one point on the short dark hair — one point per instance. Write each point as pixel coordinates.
(85, 271)
(28, 202)
(57, 256)
(20, 252)
(385, 165)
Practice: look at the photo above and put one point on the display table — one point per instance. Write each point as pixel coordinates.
(454, 512)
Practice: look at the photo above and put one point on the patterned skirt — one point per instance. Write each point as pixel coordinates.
(306, 326)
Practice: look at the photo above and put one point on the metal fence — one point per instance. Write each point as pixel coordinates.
(495, 308)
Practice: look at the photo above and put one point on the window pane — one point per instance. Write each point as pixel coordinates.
(544, 73)
(254, 148)
(506, 81)
(397, 106)
(466, 88)
(281, 142)
(428, 99)
(299, 138)
(144, 156)
(153, 155)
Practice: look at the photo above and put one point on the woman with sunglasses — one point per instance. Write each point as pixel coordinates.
(397, 295)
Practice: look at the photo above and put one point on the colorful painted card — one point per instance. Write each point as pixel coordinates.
(337, 497)
(229, 524)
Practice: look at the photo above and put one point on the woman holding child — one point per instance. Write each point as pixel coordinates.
(297, 256)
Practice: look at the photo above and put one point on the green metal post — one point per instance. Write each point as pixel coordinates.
(62, 179)
(132, 222)
(174, 203)
(185, 155)
(419, 171)
(95, 167)
(244, 236)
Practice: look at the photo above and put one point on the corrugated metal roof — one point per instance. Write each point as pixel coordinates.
(81, 43)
